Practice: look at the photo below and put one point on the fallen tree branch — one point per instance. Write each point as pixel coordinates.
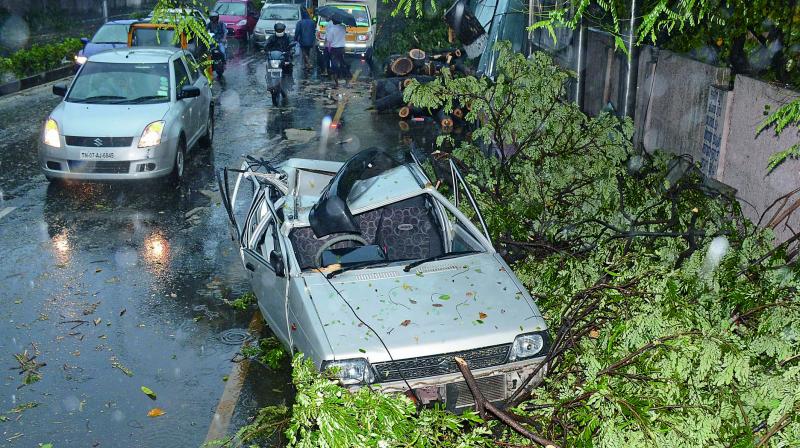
(483, 405)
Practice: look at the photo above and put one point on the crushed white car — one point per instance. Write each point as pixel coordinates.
(367, 266)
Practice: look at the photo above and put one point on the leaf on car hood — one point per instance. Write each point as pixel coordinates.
(405, 323)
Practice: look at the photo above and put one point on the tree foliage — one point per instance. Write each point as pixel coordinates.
(655, 345)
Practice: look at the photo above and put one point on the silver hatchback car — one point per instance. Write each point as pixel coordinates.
(130, 113)
(378, 270)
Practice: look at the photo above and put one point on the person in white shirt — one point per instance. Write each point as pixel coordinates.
(334, 42)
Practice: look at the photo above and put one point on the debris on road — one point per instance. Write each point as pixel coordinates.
(300, 135)
(147, 391)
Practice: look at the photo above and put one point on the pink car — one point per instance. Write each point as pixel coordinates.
(239, 17)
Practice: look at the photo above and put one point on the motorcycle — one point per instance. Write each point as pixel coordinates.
(217, 57)
(279, 64)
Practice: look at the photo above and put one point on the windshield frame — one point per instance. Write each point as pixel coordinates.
(127, 101)
(347, 8)
(219, 5)
(126, 27)
(268, 6)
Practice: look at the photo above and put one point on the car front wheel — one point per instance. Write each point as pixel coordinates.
(208, 137)
(179, 167)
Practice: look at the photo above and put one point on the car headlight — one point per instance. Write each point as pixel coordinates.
(527, 346)
(152, 134)
(352, 371)
(80, 59)
(362, 37)
(274, 63)
(51, 137)
(242, 22)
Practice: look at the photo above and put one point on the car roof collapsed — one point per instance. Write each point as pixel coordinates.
(331, 214)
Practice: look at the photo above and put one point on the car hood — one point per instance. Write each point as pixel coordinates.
(104, 120)
(231, 20)
(448, 306)
(92, 48)
(269, 24)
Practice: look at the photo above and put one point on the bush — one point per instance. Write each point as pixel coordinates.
(40, 58)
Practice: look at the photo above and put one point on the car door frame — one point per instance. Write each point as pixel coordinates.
(187, 104)
(276, 316)
(203, 102)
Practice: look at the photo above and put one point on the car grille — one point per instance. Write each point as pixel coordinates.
(84, 166)
(99, 142)
(493, 389)
(434, 365)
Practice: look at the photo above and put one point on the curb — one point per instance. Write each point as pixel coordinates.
(35, 80)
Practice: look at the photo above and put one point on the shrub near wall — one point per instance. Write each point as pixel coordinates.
(40, 58)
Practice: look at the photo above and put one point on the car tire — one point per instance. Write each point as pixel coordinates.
(53, 180)
(208, 138)
(179, 165)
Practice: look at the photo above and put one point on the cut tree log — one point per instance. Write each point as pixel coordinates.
(388, 102)
(483, 406)
(401, 66)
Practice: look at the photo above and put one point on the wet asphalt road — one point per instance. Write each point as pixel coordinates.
(114, 288)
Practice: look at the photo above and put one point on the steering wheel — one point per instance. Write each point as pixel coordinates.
(335, 240)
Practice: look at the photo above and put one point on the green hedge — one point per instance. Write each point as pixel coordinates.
(40, 58)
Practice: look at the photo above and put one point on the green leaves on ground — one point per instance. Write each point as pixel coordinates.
(267, 351)
(147, 391)
(243, 302)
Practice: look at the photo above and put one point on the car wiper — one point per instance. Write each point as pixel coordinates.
(362, 265)
(142, 99)
(96, 98)
(414, 264)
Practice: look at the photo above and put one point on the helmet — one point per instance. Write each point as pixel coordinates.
(214, 16)
(280, 27)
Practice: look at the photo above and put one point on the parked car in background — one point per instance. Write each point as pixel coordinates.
(239, 17)
(272, 13)
(111, 35)
(360, 38)
(368, 267)
(132, 113)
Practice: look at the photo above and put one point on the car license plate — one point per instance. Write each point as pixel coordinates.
(97, 155)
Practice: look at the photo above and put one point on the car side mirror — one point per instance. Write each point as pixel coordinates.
(84, 40)
(189, 92)
(276, 261)
(60, 89)
(374, 21)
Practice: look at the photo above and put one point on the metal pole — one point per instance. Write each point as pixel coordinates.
(580, 65)
(105, 11)
(631, 77)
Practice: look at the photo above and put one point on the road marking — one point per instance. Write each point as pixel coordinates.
(233, 388)
(6, 211)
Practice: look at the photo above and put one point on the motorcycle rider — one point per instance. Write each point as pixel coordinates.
(278, 41)
(219, 31)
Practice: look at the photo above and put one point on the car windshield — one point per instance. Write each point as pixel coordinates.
(110, 83)
(111, 33)
(280, 13)
(359, 12)
(154, 37)
(230, 9)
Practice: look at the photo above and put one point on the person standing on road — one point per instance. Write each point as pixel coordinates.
(334, 42)
(305, 35)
